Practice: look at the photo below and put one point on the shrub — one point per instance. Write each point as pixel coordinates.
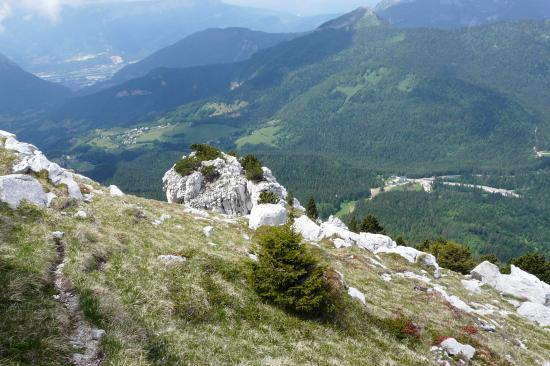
(371, 225)
(210, 173)
(268, 197)
(534, 263)
(287, 275)
(205, 152)
(290, 199)
(400, 327)
(311, 209)
(253, 168)
(190, 164)
(353, 225)
(492, 258)
(450, 255)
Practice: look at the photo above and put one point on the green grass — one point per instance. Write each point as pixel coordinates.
(266, 136)
(346, 208)
(204, 311)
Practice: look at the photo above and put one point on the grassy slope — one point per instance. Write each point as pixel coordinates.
(204, 311)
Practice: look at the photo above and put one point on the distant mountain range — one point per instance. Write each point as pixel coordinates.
(21, 91)
(460, 13)
(91, 42)
(211, 46)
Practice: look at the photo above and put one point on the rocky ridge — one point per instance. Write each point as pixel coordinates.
(376, 255)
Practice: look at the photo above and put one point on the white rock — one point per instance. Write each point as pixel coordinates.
(414, 256)
(208, 231)
(518, 283)
(196, 212)
(162, 219)
(115, 191)
(97, 334)
(81, 215)
(269, 184)
(171, 259)
(267, 215)
(335, 221)
(472, 286)
(340, 243)
(6, 134)
(535, 312)
(297, 205)
(58, 175)
(20, 147)
(355, 293)
(455, 301)
(228, 194)
(374, 242)
(58, 234)
(17, 187)
(307, 228)
(455, 348)
(253, 256)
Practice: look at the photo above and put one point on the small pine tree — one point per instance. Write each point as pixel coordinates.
(287, 274)
(400, 241)
(290, 199)
(353, 225)
(371, 225)
(534, 263)
(311, 209)
(492, 258)
(450, 255)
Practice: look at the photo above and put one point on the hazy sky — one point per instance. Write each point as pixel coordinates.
(306, 7)
(51, 9)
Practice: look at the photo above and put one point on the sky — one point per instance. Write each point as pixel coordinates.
(51, 9)
(306, 7)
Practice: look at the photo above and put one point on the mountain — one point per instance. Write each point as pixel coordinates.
(110, 278)
(460, 13)
(336, 112)
(92, 41)
(212, 46)
(21, 91)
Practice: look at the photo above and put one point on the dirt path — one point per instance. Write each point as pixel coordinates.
(84, 338)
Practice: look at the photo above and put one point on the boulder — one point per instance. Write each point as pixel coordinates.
(373, 242)
(58, 175)
(535, 312)
(414, 256)
(474, 286)
(16, 188)
(267, 215)
(208, 231)
(58, 234)
(307, 228)
(455, 348)
(297, 205)
(335, 221)
(487, 273)
(115, 191)
(355, 293)
(20, 147)
(81, 215)
(340, 243)
(518, 283)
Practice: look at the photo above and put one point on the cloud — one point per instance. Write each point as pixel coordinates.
(49, 9)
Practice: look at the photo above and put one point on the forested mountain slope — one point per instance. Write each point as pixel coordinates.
(21, 91)
(367, 95)
(212, 46)
(460, 13)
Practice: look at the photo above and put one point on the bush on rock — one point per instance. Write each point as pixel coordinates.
(253, 168)
(268, 197)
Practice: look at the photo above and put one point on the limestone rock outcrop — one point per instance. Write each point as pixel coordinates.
(229, 193)
(32, 160)
(17, 188)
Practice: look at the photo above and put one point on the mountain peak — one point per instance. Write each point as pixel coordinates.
(359, 18)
